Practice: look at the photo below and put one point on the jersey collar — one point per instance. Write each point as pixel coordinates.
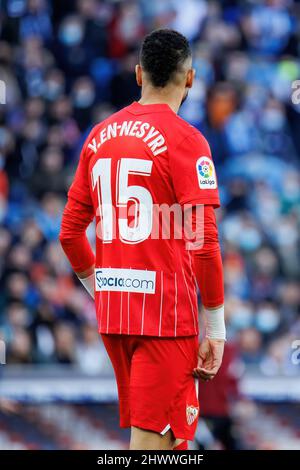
(137, 108)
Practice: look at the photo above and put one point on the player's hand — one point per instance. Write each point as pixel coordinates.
(210, 356)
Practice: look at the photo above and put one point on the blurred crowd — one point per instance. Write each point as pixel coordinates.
(69, 64)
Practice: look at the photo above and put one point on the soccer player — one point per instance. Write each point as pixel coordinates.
(140, 158)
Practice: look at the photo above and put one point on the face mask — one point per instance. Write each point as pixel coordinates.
(291, 189)
(16, 8)
(287, 235)
(52, 90)
(250, 239)
(256, 99)
(71, 35)
(242, 318)
(3, 208)
(273, 120)
(267, 320)
(84, 98)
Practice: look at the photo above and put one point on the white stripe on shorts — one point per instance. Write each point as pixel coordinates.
(165, 430)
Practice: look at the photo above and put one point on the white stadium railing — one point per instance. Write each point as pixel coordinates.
(60, 383)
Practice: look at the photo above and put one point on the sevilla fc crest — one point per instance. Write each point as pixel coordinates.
(191, 413)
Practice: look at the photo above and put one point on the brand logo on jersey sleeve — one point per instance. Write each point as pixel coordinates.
(191, 414)
(206, 173)
(125, 280)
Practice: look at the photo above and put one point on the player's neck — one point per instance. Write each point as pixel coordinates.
(171, 98)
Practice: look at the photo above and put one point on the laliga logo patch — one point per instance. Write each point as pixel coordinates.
(191, 414)
(206, 173)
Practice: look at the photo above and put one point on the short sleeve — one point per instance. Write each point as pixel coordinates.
(193, 172)
(80, 188)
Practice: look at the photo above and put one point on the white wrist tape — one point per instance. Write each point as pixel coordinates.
(89, 284)
(215, 323)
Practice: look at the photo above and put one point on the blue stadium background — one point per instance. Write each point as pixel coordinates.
(67, 65)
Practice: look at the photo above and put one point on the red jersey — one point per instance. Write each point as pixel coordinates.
(138, 159)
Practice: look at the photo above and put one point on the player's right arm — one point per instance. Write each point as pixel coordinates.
(77, 215)
(208, 269)
(189, 162)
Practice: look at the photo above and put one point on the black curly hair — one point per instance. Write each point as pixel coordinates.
(162, 53)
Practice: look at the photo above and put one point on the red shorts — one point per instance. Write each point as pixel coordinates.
(156, 388)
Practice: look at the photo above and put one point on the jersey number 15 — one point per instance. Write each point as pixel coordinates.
(141, 227)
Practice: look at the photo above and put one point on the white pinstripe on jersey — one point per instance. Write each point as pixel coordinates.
(121, 312)
(143, 313)
(191, 303)
(107, 317)
(161, 300)
(175, 305)
(128, 309)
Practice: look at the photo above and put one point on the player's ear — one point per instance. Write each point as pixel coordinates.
(138, 74)
(190, 78)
